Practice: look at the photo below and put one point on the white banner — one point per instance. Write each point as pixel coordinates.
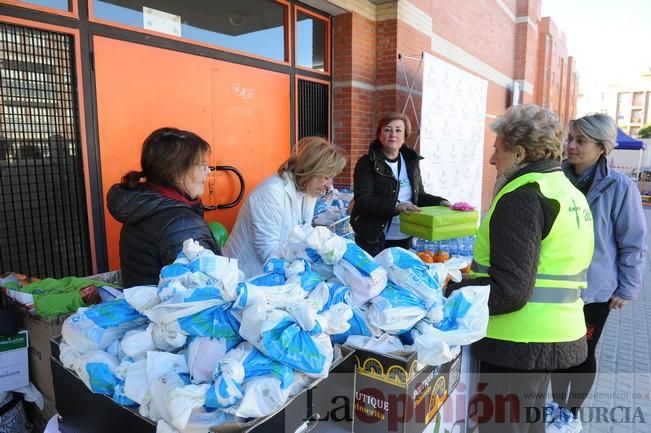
(452, 131)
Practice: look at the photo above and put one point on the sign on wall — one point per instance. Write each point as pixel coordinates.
(452, 131)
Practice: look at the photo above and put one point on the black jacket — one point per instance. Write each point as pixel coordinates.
(520, 221)
(376, 191)
(154, 228)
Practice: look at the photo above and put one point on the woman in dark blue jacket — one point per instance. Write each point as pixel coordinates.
(159, 214)
(387, 181)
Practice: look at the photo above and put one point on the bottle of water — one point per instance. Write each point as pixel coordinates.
(469, 245)
(453, 248)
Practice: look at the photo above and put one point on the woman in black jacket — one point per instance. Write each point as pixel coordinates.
(532, 249)
(387, 181)
(159, 214)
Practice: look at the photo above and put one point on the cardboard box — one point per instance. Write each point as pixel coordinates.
(439, 222)
(391, 395)
(40, 332)
(14, 371)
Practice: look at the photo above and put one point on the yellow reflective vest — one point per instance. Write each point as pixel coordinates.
(554, 313)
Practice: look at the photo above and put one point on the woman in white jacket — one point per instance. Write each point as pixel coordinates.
(282, 201)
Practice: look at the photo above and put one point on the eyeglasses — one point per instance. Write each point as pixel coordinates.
(205, 167)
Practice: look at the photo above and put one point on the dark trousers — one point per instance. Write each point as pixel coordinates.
(509, 400)
(570, 387)
(376, 248)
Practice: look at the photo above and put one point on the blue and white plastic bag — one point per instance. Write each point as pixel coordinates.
(98, 327)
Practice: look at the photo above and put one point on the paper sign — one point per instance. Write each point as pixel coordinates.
(452, 131)
(160, 21)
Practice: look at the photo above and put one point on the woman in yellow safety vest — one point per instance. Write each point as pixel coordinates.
(533, 248)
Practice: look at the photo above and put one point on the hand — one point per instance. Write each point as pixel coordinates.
(405, 206)
(617, 303)
(444, 203)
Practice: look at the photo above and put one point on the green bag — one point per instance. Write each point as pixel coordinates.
(219, 232)
(437, 223)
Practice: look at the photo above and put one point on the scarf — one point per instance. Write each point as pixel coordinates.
(583, 181)
(173, 194)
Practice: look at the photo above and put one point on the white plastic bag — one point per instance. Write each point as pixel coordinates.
(280, 296)
(203, 353)
(136, 382)
(96, 328)
(240, 365)
(136, 343)
(97, 370)
(407, 270)
(261, 397)
(295, 339)
(464, 321)
(395, 310)
(357, 270)
(385, 343)
(141, 297)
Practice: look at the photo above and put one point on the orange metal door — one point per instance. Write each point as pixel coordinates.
(243, 112)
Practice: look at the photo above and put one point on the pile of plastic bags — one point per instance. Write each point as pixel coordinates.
(332, 207)
(208, 346)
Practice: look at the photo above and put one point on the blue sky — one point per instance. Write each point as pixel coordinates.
(610, 39)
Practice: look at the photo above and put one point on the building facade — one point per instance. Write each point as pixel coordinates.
(250, 76)
(628, 102)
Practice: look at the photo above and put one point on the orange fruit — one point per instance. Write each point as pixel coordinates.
(425, 257)
(441, 256)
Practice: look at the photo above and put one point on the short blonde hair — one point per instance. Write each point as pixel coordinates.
(314, 157)
(598, 127)
(534, 128)
(390, 117)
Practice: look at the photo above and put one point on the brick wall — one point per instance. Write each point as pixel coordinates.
(498, 40)
(556, 73)
(354, 76)
(481, 28)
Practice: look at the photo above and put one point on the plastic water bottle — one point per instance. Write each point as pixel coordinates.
(453, 248)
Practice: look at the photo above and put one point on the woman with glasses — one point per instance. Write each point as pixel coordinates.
(615, 273)
(160, 206)
(282, 201)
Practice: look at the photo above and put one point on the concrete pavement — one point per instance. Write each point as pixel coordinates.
(620, 400)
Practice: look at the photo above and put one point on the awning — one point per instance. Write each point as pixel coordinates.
(626, 142)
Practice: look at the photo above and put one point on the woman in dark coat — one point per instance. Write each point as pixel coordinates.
(533, 248)
(159, 214)
(387, 181)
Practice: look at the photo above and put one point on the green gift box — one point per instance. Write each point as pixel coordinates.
(436, 223)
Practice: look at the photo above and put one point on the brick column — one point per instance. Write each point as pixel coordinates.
(354, 98)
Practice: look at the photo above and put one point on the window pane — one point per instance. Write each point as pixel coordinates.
(311, 42)
(313, 108)
(252, 26)
(54, 4)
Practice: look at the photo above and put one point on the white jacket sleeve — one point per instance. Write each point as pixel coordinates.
(267, 215)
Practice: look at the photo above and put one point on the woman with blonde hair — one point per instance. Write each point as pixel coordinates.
(282, 201)
(532, 249)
